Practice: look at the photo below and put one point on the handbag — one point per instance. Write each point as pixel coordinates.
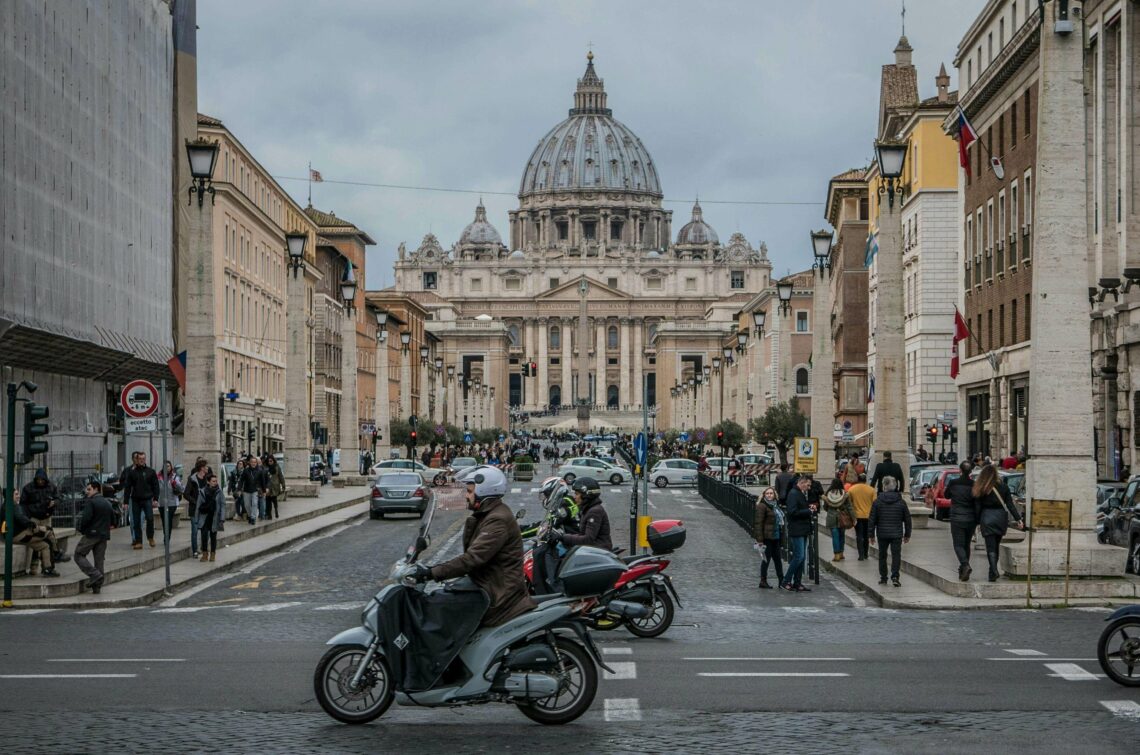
(846, 521)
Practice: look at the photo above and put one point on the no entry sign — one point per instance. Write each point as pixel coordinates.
(139, 399)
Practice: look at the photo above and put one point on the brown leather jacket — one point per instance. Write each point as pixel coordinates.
(492, 556)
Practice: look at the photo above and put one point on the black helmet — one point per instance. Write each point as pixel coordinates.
(588, 487)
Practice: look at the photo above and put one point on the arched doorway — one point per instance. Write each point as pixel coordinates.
(612, 397)
(555, 396)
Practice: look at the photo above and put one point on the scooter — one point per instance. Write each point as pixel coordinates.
(544, 661)
(1118, 649)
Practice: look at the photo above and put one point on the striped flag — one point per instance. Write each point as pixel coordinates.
(177, 365)
(961, 333)
(315, 175)
(966, 136)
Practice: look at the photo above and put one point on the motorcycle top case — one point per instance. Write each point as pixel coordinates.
(589, 571)
(665, 536)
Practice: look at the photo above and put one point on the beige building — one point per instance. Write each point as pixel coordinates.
(593, 289)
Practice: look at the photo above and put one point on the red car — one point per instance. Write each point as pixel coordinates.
(936, 499)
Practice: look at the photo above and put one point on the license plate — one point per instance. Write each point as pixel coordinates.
(397, 494)
(689, 478)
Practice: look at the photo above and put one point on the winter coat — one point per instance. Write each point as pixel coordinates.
(169, 491)
(784, 485)
(37, 498)
(833, 503)
(861, 496)
(764, 520)
(798, 513)
(492, 556)
(211, 514)
(593, 527)
(253, 480)
(963, 507)
(140, 484)
(992, 511)
(190, 493)
(890, 517)
(886, 469)
(276, 480)
(95, 518)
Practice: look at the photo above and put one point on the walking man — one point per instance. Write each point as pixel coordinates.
(887, 468)
(140, 487)
(862, 496)
(963, 517)
(799, 513)
(94, 525)
(890, 524)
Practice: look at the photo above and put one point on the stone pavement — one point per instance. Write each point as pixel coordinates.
(138, 577)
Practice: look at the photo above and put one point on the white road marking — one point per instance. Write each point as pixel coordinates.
(268, 607)
(442, 552)
(1024, 652)
(516, 490)
(796, 609)
(1121, 708)
(535, 490)
(617, 651)
(1070, 672)
(856, 599)
(1092, 609)
(828, 674)
(623, 709)
(116, 660)
(187, 609)
(68, 676)
(1078, 660)
(623, 670)
(26, 612)
(691, 506)
(725, 609)
(108, 610)
(340, 607)
(677, 492)
(774, 660)
(652, 505)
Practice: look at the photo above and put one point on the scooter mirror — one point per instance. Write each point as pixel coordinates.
(422, 543)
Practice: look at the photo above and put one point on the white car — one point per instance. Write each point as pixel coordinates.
(584, 466)
(429, 475)
(674, 472)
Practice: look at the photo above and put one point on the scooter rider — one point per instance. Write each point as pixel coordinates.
(492, 550)
(547, 555)
(593, 522)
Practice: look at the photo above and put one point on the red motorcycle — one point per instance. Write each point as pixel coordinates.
(642, 598)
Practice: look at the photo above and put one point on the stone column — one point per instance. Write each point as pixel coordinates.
(424, 409)
(625, 398)
(542, 389)
(349, 422)
(406, 381)
(566, 333)
(638, 358)
(890, 359)
(600, 364)
(383, 411)
(1060, 465)
(822, 397)
(202, 437)
(782, 358)
(296, 390)
(528, 384)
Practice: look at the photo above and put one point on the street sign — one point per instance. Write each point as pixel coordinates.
(140, 424)
(468, 438)
(1050, 515)
(806, 455)
(640, 446)
(683, 437)
(367, 428)
(139, 399)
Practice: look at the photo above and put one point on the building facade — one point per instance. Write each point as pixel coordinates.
(590, 227)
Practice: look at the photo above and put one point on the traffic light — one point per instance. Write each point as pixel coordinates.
(412, 437)
(945, 429)
(251, 436)
(33, 429)
(720, 437)
(526, 369)
(534, 369)
(932, 433)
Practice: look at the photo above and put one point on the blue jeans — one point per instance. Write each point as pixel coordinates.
(795, 573)
(139, 509)
(251, 509)
(837, 540)
(194, 534)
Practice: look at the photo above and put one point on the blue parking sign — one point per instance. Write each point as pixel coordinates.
(639, 446)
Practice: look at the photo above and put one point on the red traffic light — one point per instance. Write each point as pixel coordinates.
(413, 436)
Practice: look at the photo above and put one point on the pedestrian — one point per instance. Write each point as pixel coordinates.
(768, 526)
(169, 493)
(193, 489)
(211, 517)
(95, 515)
(39, 498)
(862, 496)
(840, 516)
(27, 531)
(799, 514)
(888, 467)
(141, 488)
(784, 484)
(251, 489)
(963, 517)
(890, 525)
(995, 509)
(275, 488)
(235, 490)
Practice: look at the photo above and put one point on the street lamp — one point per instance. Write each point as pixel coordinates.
(706, 371)
(381, 325)
(821, 248)
(890, 156)
(784, 291)
(348, 287)
(742, 341)
(203, 156)
(405, 339)
(439, 364)
(295, 247)
(716, 365)
(424, 351)
(727, 351)
(758, 317)
(451, 372)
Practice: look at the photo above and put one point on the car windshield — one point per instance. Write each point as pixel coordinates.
(1015, 483)
(463, 461)
(398, 480)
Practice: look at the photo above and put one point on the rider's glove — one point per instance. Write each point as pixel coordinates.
(421, 573)
(556, 536)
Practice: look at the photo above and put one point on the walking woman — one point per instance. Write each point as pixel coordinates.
(840, 516)
(768, 528)
(995, 509)
(169, 493)
(211, 516)
(276, 487)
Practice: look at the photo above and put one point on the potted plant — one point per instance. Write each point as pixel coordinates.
(524, 468)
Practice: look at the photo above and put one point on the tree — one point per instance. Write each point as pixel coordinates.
(780, 425)
(734, 434)
(488, 435)
(671, 435)
(399, 433)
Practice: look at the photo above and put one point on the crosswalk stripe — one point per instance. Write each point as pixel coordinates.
(1070, 672)
(623, 670)
(1023, 652)
(107, 610)
(1121, 708)
(26, 612)
(182, 609)
(617, 651)
(516, 490)
(794, 609)
(339, 607)
(829, 674)
(267, 607)
(623, 709)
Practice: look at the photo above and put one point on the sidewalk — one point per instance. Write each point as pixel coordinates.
(930, 577)
(138, 577)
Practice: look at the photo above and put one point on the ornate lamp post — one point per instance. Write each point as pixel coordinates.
(822, 395)
(382, 411)
(349, 411)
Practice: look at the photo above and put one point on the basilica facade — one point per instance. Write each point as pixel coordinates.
(593, 301)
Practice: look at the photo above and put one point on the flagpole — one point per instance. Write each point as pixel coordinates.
(310, 183)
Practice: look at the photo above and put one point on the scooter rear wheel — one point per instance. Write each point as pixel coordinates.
(1119, 651)
(576, 692)
(659, 619)
(332, 685)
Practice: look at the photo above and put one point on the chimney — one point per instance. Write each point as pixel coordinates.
(942, 81)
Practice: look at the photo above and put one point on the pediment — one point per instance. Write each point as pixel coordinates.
(597, 291)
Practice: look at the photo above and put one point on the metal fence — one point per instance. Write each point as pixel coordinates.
(739, 505)
(69, 472)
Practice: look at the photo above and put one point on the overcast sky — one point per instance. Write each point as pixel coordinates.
(758, 100)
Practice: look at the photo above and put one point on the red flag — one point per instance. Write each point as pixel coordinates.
(177, 365)
(966, 136)
(315, 175)
(961, 333)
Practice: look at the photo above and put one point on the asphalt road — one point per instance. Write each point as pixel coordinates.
(230, 666)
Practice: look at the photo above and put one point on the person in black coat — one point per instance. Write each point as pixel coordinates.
(995, 509)
(95, 518)
(890, 524)
(784, 483)
(799, 515)
(884, 469)
(963, 517)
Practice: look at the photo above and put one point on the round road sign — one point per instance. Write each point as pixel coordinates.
(139, 399)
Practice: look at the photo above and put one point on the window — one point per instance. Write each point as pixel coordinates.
(513, 333)
(612, 282)
(1001, 325)
(476, 284)
(563, 230)
(429, 281)
(1013, 321)
(555, 337)
(554, 283)
(612, 337)
(801, 322)
(1027, 197)
(589, 230)
(1028, 319)
(1013, 19)
(1013, 125)
(1014, 230)
(513, 284)
(990, 327)
(736, 279)
(864, 209)
(802, 382)
(1028, 123)
(612, 361)
(970, 71)
(556, 361)
(653, 284)
(999, 250)
(615, 230)
(1001, 33)
(690, 284)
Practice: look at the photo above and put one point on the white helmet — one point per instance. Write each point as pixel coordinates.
(489, 483)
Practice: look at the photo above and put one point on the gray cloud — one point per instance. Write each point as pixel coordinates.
(735, 100)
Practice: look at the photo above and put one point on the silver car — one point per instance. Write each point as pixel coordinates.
(674, 472)
(398, 492)
(584, 466)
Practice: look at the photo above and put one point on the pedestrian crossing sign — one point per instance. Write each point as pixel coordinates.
(806, 456)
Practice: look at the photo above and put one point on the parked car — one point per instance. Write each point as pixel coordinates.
(459, 463)
(923, 477)
(935, 496)
(674, 472)
(603, 454)
(429, 475)
(318, 470)
(1122, 524)
(584, 466)
(398, 492)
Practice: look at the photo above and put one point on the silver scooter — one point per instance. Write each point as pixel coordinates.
(543, 661)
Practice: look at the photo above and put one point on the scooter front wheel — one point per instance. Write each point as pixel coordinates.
(660, 616)
(1119, 651)
(578, 683)
(332, 683)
